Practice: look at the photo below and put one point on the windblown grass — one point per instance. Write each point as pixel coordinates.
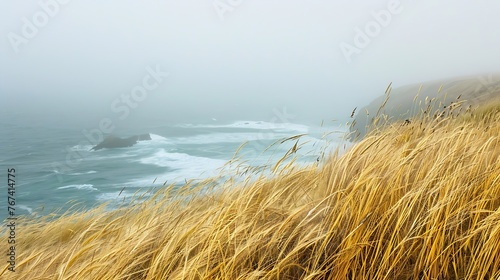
(417, 200)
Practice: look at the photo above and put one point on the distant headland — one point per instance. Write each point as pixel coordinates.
(407, 102)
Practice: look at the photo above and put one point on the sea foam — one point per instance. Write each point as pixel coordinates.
(89, 187)
(260, 125)
(183, 166)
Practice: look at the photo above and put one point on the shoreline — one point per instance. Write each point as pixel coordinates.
(411, 199)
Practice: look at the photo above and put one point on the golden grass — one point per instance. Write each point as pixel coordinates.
(412, 201)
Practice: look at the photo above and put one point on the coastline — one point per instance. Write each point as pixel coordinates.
(417, 200)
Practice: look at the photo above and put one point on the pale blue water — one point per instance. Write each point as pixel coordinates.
(56, 169)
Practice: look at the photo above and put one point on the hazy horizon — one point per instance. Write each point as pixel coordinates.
(75, 63)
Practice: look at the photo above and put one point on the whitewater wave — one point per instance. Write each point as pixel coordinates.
(183, 166)
(261, 125)
(83, 173)
(107, 157)
(81, 148)
(158, 138)
(155, 140)
(215, 138)
(89, 187)
(121, 195)
(143, 183)
(25, 208)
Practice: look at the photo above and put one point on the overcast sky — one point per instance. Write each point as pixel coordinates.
(82, 61)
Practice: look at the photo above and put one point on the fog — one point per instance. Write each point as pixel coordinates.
(76, 63)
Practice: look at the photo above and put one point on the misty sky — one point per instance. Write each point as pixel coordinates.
(73, 62)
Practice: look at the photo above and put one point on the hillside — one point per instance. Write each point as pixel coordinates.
(408, 102)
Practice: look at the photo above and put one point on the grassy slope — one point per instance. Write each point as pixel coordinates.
(406, 102)
(417, 201)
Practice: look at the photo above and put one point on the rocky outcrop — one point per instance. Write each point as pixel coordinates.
(407, 102)
(143, 137)
(116, 142)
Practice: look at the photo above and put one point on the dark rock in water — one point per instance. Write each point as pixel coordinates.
(143, 137)
(117, 142)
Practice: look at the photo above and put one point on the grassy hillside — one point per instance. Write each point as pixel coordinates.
(412, 201)
(407, 102)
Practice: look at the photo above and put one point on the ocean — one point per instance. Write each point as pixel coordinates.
(56, 169)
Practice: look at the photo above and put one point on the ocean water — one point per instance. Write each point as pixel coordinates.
(55, 167)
